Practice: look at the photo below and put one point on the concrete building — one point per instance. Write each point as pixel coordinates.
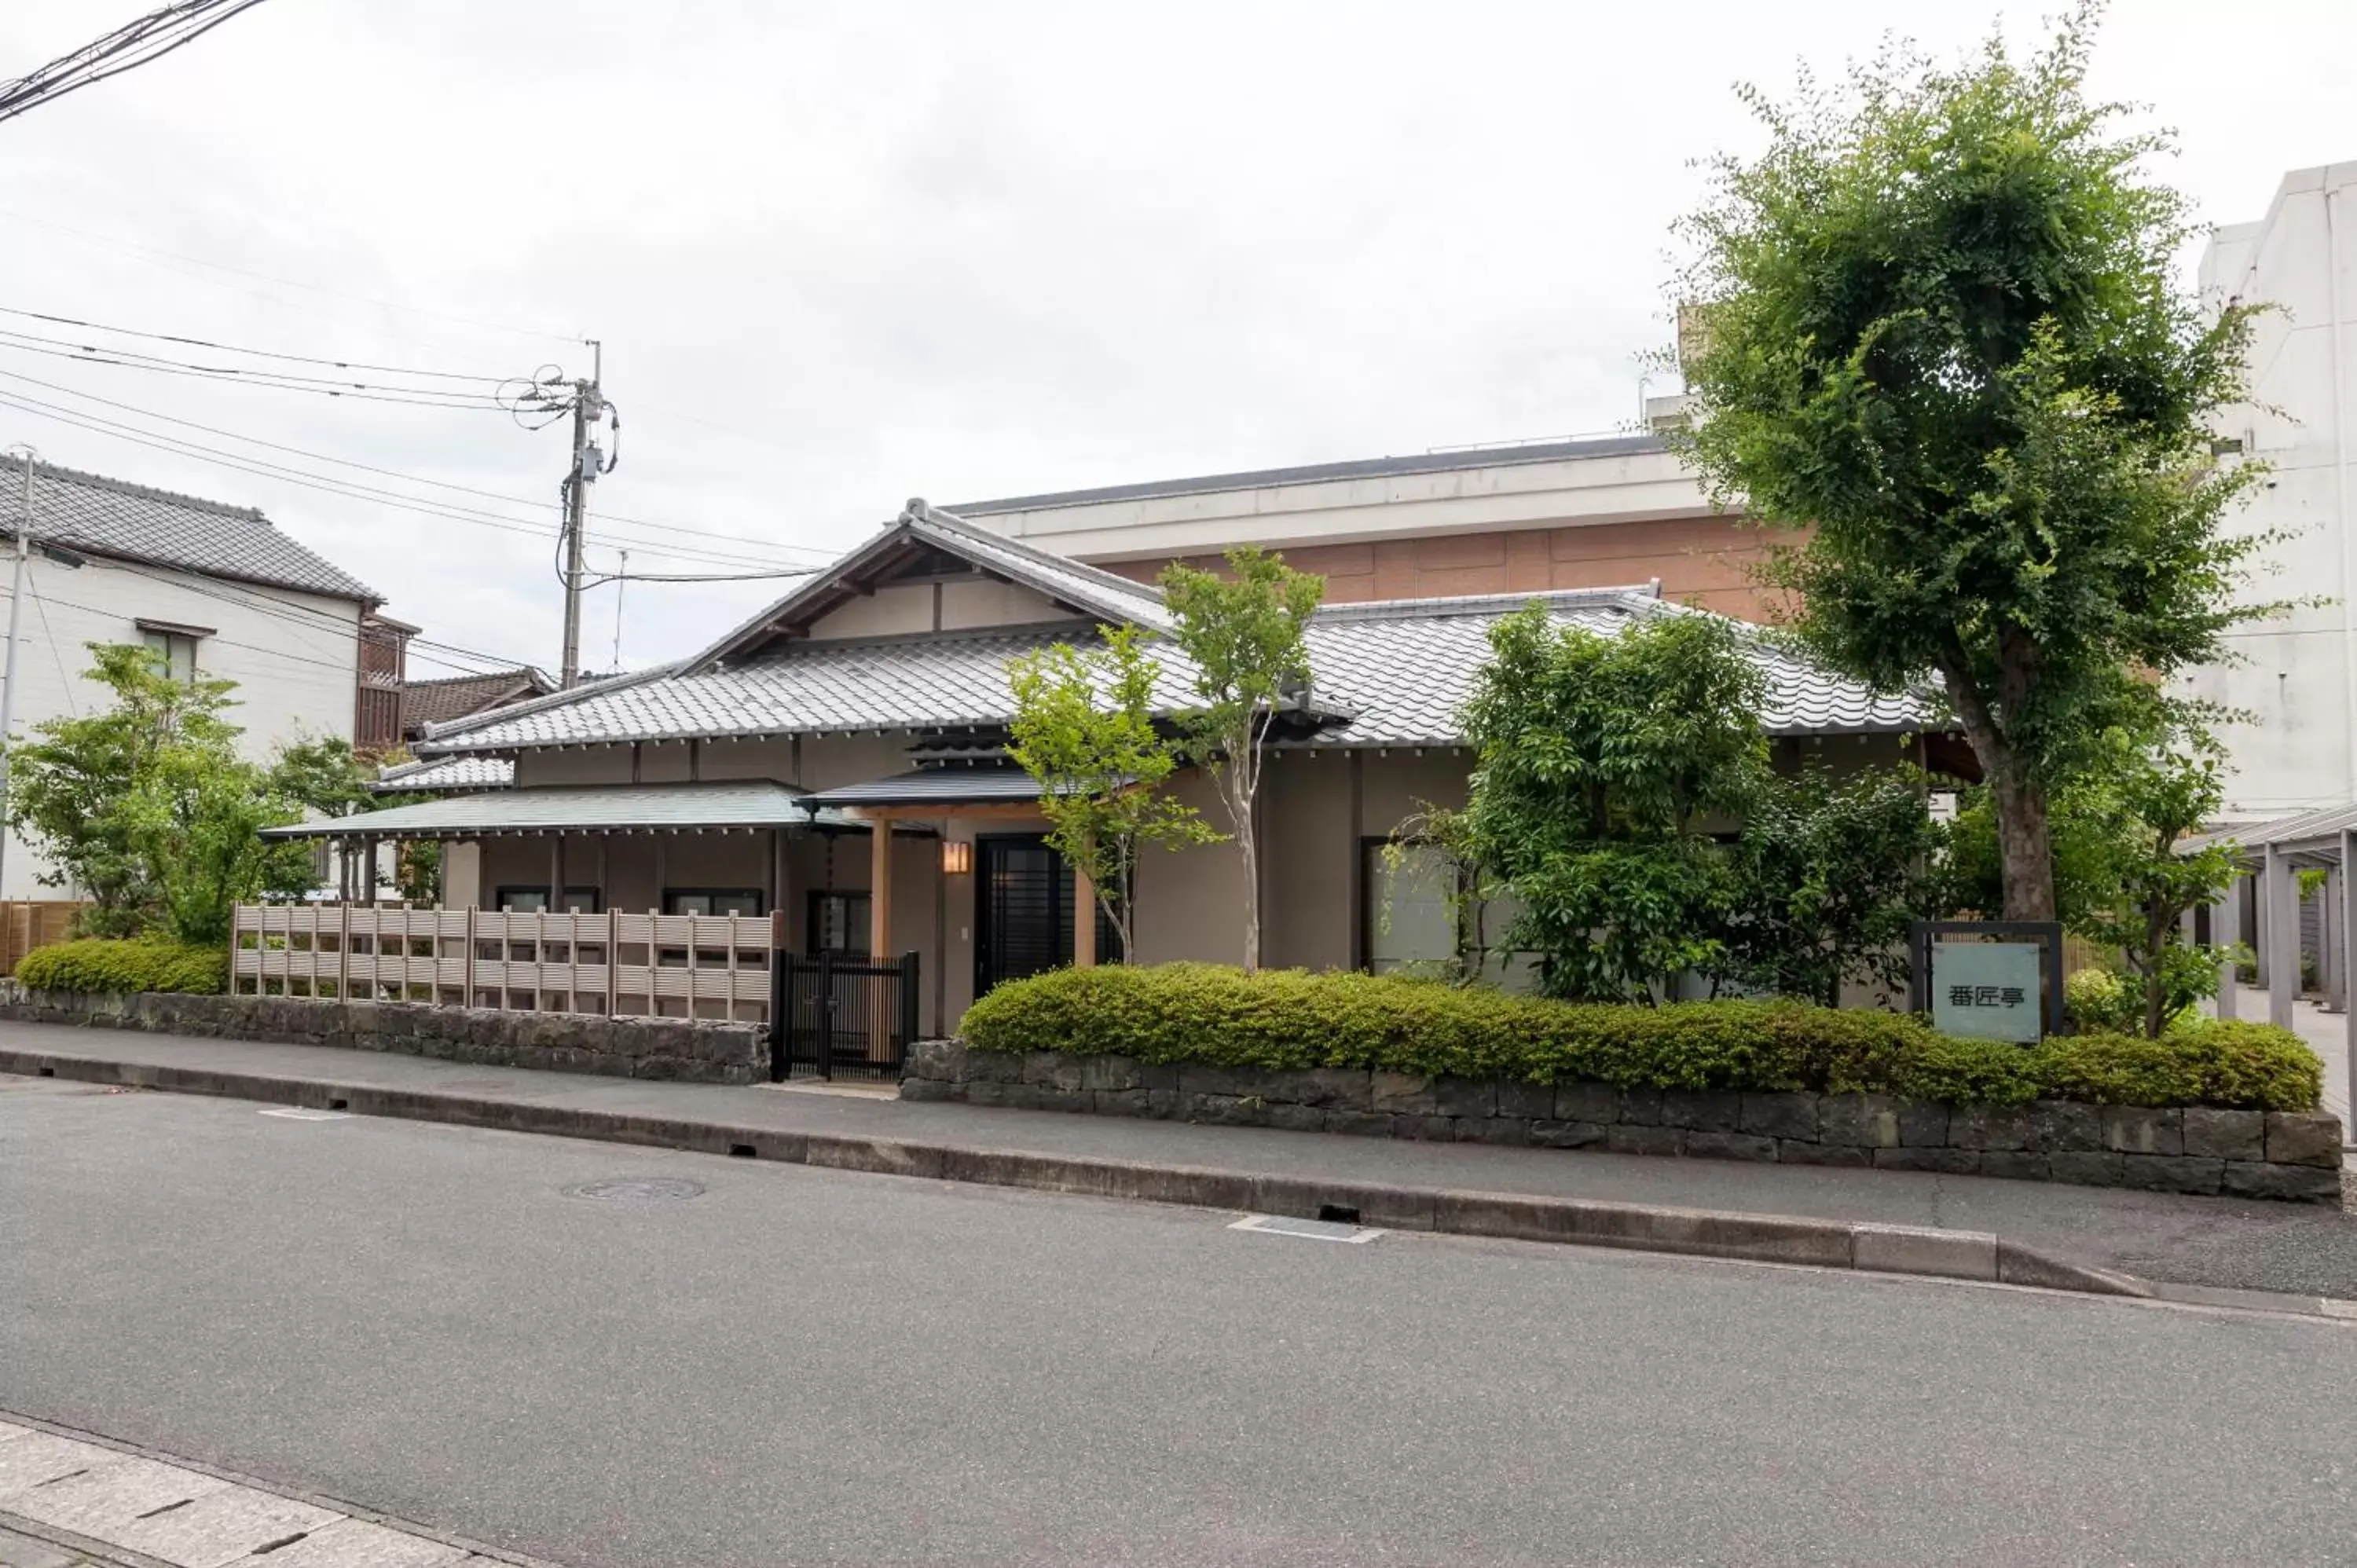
(213, 590)
(1531, 518)
(2299, 674)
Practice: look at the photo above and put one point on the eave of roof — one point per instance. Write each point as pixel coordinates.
(733, 806)
(951, 785)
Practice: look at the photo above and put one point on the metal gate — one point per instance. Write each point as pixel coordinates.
(840, 1017)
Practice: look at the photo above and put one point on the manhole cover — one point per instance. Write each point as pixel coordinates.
(637, 1190)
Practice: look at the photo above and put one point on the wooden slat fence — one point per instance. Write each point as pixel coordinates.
(618, 964)
(29, 923)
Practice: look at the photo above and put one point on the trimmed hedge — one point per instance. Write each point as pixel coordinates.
(1291, 1018)
(136, 963)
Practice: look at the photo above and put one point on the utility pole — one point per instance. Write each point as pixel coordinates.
(587, 409)
(16, 607)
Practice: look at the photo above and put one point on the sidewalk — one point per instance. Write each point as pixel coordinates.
(2238, 1244)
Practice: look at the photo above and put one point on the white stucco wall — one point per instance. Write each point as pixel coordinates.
(294, 656)
(2298, 677)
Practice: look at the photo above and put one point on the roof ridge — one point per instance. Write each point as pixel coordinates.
(1633, 597)
(540, 705)
(145, 492)
(925, 512)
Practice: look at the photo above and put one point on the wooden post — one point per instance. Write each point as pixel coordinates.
(879, 891)
(1084, 921)
(468, 980)
(556, 874)
(613, 960)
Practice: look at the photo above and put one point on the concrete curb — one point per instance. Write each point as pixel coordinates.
(1822, 1243)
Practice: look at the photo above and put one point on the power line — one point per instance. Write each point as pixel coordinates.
(127, 48)
(156, 254)
(282, 380)
(392, 473)
(346, 489)
(257, 353)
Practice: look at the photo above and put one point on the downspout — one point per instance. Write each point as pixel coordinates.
(2342, 406)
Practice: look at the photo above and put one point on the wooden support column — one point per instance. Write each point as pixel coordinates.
(1084, 921)
(879, 892)
(556, 873)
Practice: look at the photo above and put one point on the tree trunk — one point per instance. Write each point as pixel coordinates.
(2024, 840)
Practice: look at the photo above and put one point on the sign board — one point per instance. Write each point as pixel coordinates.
(1990, 990)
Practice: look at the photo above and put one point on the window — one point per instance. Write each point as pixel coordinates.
(535, 901)
(711, 901)
(1410, 925)
(838, 924)
(174, 653)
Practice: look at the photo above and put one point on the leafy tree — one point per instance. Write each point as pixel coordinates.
(147, 807)
(1245, 635)
(1084, 729)
(1938, 326)
(1828, 874)
(1602, 761)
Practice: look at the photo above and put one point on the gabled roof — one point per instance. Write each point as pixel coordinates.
(133, 523)
(439, 774)
(455, 697)
(1385, 674)
(919, 530)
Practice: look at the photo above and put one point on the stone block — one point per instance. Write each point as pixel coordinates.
(1529, 1101)
(2296, 1183)
(2065, 1127)
(1864, 1120)
(1327, 1088)
(1799, 1152)
(1700, 1111)
(941, 1060)
(1924, 1123)
(1296, 1118)
(1464, 1097)
(2304, 1138)
(2171, 1173)
(1043, 1097)
(1157, 1077)
(1555, 1133)
(1232, 1082)
(1055, 1070)
(1165, 1104)
(2086, 1167)
(1425, 1127)
(661, 1067)
(2143, 1130)
(1641, 1107)
(1224, 1109)
(1119, 1101)
(932, 1089)
(1942, 1161)
(987, 1091)
(1405, 1093)
(1637, 1138)
(1513, 1132)
(1359, 1124)
(1989, 1127)
(2225, 1134)
(1587, 1102)
(2015, 1165)
(1703, 1146)
(1109, 1073)
(1781, 1116)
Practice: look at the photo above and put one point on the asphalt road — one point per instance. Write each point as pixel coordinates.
(805, 1367)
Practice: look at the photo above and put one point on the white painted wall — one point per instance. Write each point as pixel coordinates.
(2299, 673)
(294, 656)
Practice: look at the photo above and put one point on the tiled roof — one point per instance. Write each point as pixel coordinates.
(931, 786)
(439, 773)
(458, 696)
(1401, 670)
(747, 803)
(133, 523)
(1321, 473)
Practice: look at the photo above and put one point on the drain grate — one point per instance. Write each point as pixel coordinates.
(1308, 1229)
(637, 1189)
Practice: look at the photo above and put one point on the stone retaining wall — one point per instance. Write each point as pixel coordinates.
(695, 1050)
(2243, 1154)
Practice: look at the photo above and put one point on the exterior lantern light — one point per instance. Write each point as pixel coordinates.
(957, 857)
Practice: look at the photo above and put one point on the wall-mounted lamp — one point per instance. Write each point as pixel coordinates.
(957, 856)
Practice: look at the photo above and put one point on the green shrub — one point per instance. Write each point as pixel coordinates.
(136, 964)
(2098, 1000)
(1290, 1018)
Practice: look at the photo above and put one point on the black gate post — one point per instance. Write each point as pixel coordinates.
(907, 1020)
(781, 991)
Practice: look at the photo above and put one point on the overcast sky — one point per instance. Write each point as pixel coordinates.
(840, 256)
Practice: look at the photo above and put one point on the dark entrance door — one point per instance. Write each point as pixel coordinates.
(1023, 918)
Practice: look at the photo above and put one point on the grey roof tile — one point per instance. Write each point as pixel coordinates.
(133, 522)
(1401, 671)
(747, 803)
(442, 773)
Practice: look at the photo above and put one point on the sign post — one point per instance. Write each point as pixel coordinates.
(1998, 980)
